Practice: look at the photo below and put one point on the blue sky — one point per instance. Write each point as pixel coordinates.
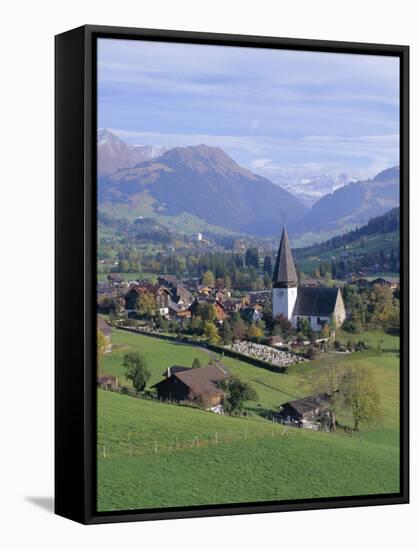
(280, 113)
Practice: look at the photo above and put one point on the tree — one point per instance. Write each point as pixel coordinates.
(210, 332)
(303, 326)
(239, 329)
(101, 348)
(359, 395)
(267, 265)
(252, 258)
(236, 393)
(255, 332)
(206, 312)
(196, 364)
(146, 305)
(226, 333)
(197, 325)
(283, 326)
(208, 278)
(135, 369)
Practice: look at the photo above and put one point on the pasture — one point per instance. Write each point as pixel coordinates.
(152, 460)
(152, 454)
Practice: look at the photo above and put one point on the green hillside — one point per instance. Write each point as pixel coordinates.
(380, 235)
(165, 455)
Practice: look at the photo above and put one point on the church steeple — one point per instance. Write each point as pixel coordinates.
(284, 275)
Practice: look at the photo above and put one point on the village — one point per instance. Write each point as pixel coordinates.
(296, 320)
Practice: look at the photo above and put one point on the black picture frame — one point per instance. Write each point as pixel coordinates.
(75, 277)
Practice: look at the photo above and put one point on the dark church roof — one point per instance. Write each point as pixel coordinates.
(315, 301)
(284, 272)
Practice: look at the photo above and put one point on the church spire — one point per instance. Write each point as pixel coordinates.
(284, 275)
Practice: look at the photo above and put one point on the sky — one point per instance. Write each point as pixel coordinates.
(283, 114)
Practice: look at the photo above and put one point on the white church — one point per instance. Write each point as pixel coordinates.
(318, 305)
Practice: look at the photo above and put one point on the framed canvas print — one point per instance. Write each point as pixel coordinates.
(231, 274)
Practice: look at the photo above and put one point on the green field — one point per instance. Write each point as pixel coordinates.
(152, 454)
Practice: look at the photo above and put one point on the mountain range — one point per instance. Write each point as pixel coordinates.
(197, 185)
(113, 153)
(353, 204)
(310, 190)
(204, 182)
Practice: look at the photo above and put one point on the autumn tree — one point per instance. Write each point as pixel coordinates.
(239, 329)
(359, 395)
(101, 348)
(146, 305)
(255, 332)
(210, 332)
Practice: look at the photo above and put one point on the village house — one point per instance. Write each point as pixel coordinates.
(251, 314)
(308, 411)
(107, 382)
(317, 305)
(199, 386)
(220, 311)
(391, 282)
(160, 293)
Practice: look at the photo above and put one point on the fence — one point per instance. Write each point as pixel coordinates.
(131, 448)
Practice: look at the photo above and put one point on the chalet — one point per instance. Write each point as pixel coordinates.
(178, 313)
(160, 293)
(115, 279)
(231, 306)
(105, 329)
(251, 314)
(200, 386)
(392, 282)
(173, 370)
(315, 408)
(259, 297)
(319, 306)
(107, 382)
(181, 296)
(168, 281)
(220, 310)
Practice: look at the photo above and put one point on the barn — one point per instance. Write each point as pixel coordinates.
(308, 410)
(199, 386)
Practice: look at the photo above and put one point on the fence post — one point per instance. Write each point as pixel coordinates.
(216, 438)
(245, 434)
(104, 451)
(155, 447)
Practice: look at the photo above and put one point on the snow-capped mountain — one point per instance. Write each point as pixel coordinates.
(114, 154)
(310, 190)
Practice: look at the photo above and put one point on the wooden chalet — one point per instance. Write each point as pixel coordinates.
(199, 386)
(306, 409)
(107, 381)
(160, 293)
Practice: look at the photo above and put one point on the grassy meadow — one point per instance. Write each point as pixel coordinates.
(153, 454)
